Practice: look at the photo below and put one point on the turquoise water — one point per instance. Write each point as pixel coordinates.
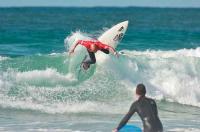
(38, 92)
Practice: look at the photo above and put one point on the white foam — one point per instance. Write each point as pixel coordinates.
(20, 90)
(3, 58)
(51, 130)
(55, 54)
(171, 75)
(165, 54)
(51, 76)
(53, 108)
(167, 75)
(184, 130)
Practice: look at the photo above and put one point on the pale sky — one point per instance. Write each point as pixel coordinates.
(92, 3)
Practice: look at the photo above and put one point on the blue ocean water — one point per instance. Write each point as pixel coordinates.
(161, 49)
(41, 30)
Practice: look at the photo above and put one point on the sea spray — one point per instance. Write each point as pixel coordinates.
(77, 57)
(169, 75)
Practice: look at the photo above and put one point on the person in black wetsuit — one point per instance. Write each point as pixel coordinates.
(146, 109)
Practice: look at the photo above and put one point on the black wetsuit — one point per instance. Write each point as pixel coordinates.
(91, 59)
(147, 110)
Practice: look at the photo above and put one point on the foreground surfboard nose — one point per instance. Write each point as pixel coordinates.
(125, 23)
(113, 35)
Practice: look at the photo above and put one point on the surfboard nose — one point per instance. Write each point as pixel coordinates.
(125, 23)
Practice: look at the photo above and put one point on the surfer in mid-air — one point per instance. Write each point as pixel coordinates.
(92, 47)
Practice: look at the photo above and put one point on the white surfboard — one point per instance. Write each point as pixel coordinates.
(112, 36)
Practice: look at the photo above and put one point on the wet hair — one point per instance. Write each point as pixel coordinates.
(140, 89)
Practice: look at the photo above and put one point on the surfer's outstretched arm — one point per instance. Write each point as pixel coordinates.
(123, 122)
(113, 51)
(72, 50)
(107, 49)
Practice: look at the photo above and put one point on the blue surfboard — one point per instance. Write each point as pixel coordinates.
(130, 128)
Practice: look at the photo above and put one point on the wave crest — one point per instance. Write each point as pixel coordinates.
(169, 75)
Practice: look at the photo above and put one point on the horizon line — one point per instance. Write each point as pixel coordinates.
(45, 6)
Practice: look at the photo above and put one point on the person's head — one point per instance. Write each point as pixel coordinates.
(93, 48)
(140, 90)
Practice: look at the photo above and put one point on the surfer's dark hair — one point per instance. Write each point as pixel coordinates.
(140, 89)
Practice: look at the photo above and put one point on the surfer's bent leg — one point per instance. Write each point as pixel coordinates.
(91, 59)
(105, 51)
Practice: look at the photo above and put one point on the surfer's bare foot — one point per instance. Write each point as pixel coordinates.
(85, 66)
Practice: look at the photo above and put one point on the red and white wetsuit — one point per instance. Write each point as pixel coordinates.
(92, 59)
(100, 46)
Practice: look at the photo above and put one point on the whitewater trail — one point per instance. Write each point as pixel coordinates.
(47, 86)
